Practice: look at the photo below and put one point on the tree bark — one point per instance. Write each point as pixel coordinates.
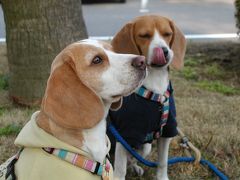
(36, 31)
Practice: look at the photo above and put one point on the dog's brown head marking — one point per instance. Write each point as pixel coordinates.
(68, 100)
(135, 37)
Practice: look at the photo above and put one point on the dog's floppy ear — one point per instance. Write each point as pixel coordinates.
(116, 105)
(124, 41)
(67, 101)
(178, 45)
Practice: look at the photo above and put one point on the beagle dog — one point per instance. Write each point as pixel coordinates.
(67, 139)
(149, 113)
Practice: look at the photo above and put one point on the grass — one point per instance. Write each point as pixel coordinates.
(214, 70)
(2, 111)
(191, 62)
(209, 76)
(207, 99)
(217, 86)
(3, 82)
(189, 73)
(10, 129)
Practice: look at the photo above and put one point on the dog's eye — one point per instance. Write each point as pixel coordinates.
(97, 60)
(167, 34)
(145, 36)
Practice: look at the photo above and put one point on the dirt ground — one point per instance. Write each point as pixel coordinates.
(207, 93)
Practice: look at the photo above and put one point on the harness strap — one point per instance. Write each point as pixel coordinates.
(7, 169)
(163, 99)
(82, 162)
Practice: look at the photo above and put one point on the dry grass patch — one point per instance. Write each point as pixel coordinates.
(3, 60)
(4, 100)
(7, 148)
(211, 120)
(18, 115)
(14, 117)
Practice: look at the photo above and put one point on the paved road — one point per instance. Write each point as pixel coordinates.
(193, 16)
(2, 25)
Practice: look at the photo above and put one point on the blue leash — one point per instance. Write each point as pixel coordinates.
(171, 161)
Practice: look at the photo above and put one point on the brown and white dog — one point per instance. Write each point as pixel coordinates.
(162, 43)
(86, 78)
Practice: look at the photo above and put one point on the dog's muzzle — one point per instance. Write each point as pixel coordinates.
(160, 57)
(139, 63)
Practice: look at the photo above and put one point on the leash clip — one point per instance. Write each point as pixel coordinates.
(184, 142)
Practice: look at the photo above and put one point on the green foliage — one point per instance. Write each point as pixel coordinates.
(11, 129)
(237, 14)
(2, 111)
(189, 73)
(217, 86)
(192, 62)
(3, 82)
(214, 71)
(209, 76)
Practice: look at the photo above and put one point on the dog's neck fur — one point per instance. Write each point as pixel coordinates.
(95, 141)
(91, 140)
(157, 80)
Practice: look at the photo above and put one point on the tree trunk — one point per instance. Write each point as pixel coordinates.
(36, 31)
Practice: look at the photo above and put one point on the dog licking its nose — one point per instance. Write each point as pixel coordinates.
(159, 56)
(165, 51)
(139, 62)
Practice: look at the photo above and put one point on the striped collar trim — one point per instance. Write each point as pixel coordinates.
(82, 162)
(142, 91)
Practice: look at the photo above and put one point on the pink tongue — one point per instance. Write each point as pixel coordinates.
(158, 57)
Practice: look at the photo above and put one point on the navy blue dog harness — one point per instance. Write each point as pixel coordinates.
(140, 119)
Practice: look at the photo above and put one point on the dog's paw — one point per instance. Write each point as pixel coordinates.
(159, 177)
(118, 178)
(137, 169)
(162, 178)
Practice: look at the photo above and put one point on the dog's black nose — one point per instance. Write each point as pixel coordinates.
(165, 51)
(139, 62)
